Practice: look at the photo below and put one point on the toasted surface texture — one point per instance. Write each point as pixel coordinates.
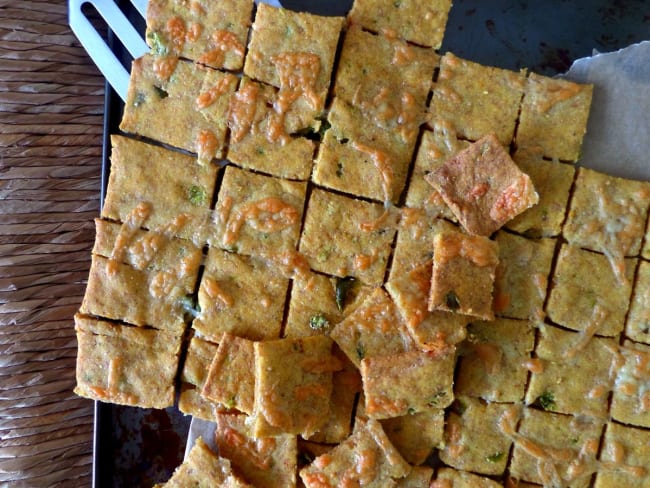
(293, 385)
(416, 435)
(179, 103)
(522, 275)
(265, 462)
(369, 448)
(493, 360)
(483, 187)
(407, 383)
(575, 377)
(473, 440)
(463, 274)
(417, 22)
(637, 327)
(212, 33)
(235, 291)
(587, 294)
(198, 357)
(203, 467)
(125, 365)
(340, 238)
(230, 380)
(179, 196)
(554, 116)
(552, 181)
(256, 214)
(608, 214)
(476, 99)
(372, 329)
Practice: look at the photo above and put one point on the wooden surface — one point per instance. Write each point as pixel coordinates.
(51, 110)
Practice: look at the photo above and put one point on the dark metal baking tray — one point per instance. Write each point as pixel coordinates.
(138, 447)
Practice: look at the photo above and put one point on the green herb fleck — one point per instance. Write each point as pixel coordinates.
(495, 458)
(361, 351)
(437, 398)
(546, 400)
(339, 169)
(230, 403)
(324, 254)
(157, 44)
(397, 4)
(411, 411)
(197, 195)
(259, 150)
(162, 94)
(343, 286)
(451, 300)
(319, 322)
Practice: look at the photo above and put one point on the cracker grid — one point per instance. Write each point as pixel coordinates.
(413, 195)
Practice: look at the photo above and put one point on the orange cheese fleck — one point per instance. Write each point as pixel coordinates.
(207, 145)
(215, 291)
(268, 215)
(210, 96)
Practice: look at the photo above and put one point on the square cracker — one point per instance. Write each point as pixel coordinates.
(552, 181)
(522, 275)
(477, 99)
(293, 384)
(569, 437)
(182, 188)
(203, 467)
(408, 382)
(418, 22)
(574, 378)
(265, 462)
(184, 105)
(256, 214)
(368, 447)
(125, 365)
(235, 292)
(255, 128)
(431, 330)
(637, 326)
(631, 397)
(314, 307)
(145, 249)
(587, 294)
(361, 158)
(447, 477)
(473, 440)
(119, 292)
(373, 328)
(463, 274)
(304, 72)
(387, 79)
(626, 452)
(230, 380)
(493, 361)
(215, 36)
(483, 186)
(345, 237)
(346, 384)
(198, 357)
(436, 147)
(554, 116)
(415, 232)
(416, 435)
(607, 214)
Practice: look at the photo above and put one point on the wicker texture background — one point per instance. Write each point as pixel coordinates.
(51, 110)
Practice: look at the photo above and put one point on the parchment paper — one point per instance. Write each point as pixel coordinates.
(617, 140)
(618, 132)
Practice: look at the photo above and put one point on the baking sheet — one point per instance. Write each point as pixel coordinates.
(135, 448)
